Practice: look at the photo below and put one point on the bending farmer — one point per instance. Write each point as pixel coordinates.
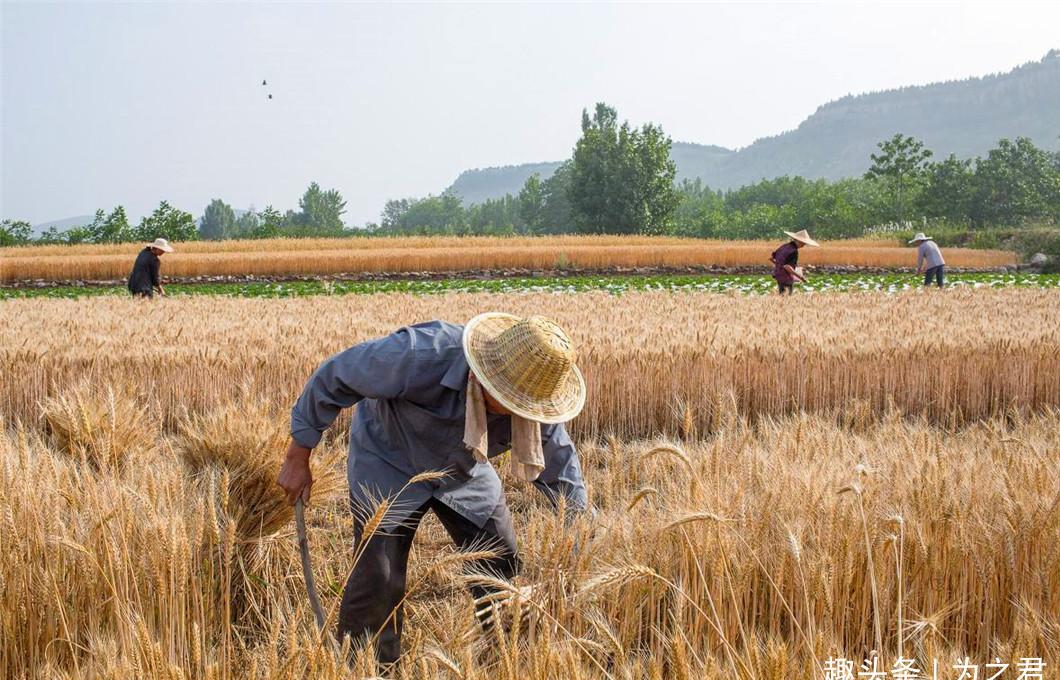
(431, 397)
(145, 279)
(929, 260)
(785, 261)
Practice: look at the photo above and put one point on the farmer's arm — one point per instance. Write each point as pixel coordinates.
(919, 258)
(791, 270)
(562, 476)
(156, 278)
(376, 369)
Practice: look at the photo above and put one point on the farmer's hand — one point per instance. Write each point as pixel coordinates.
(295, 477)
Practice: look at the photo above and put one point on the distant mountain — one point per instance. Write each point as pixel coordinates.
(63, 224)
(698, 160)
(965, 118)
(475, 186)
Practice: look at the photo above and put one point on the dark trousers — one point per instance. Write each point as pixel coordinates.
(785, 287)
(938, 273)
(372, 601)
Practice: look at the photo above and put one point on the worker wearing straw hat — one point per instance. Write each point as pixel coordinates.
(929, 260)
(785, 261)
(430, 398)
(144, 279)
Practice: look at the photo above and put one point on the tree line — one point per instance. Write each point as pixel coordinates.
(319, 215)
(620, 180)
(112, 227)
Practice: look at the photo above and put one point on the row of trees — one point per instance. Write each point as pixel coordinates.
(541, 207)
(114, 227)
(320, 214)
(1016, 182)
(611, 186)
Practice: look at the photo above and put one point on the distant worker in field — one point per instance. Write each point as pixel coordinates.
(785, 261)
(440, 397)
(144, 279)
(929, 260)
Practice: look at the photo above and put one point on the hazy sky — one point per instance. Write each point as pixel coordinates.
(106, 104)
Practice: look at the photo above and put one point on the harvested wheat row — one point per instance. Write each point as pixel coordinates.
(323, 256)
(398, 242)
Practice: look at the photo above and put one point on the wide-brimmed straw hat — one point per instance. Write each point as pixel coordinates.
(162, 244)
(525, 364)
(802, 237)
(920, 237)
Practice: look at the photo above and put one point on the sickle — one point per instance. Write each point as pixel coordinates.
(307, 566)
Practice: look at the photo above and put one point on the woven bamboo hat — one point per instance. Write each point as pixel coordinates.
(525, 364)
(802, 236)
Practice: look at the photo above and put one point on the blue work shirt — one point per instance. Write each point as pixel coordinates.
(410, 388)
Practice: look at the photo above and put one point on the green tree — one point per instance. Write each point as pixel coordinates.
(901, 164)
(114, 228)
(72, 236)
(532, 204)
(1017, 181)
(15, 232)
(246, 225)
(270, 223)
(167, 222)
(949, 190)
(321, 211)
(700, 211)
(217, 220)
(622, 179)
(437, 214)
(394, 211)
(557, 215)
(496, 217)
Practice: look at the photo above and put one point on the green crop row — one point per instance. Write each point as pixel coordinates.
(746, 284)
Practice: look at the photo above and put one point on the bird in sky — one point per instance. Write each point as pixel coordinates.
(264, 82)
(270, 96)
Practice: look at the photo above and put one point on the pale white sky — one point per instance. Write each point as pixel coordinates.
(132, 103)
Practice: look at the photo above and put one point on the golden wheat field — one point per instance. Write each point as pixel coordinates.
(654, 361)
(278, 257)
(778, 482)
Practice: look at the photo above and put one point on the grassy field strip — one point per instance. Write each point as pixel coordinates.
(737, 284)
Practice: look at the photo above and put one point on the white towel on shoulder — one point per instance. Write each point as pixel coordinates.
(528, 457)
